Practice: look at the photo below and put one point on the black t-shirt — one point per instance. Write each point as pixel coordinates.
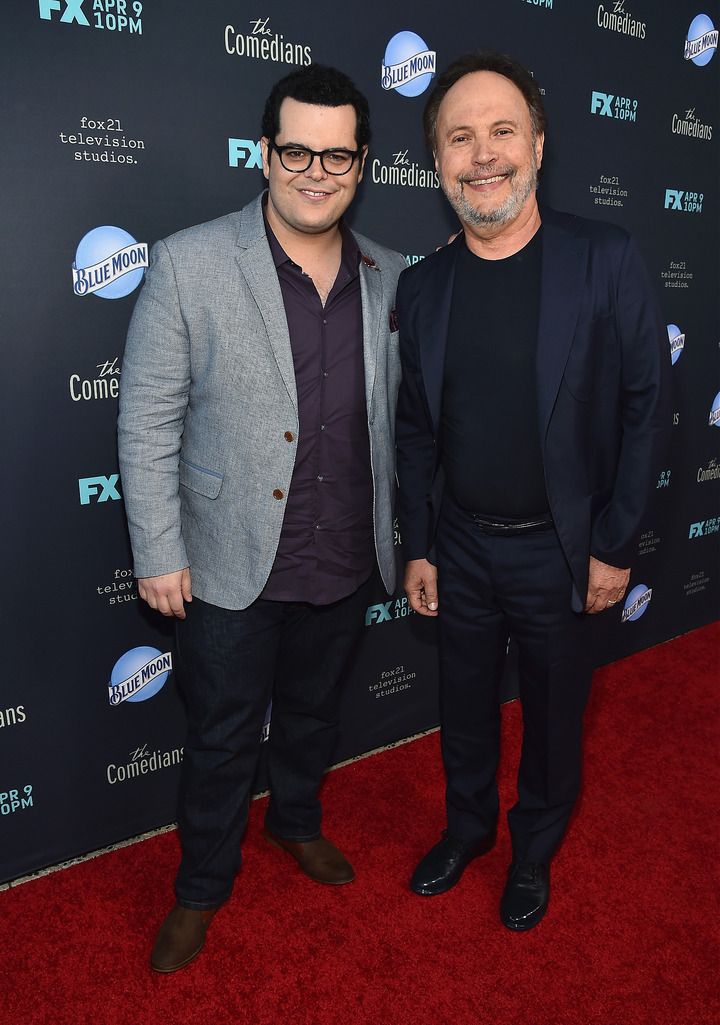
(490, 434)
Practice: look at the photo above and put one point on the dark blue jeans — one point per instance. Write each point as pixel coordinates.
(231, 664)
(493, 588)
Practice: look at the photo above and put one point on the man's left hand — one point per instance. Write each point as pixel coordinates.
(606, 586)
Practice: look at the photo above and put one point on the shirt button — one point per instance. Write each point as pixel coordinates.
(324, 322)
(318, 527)
(277, 493)
(289, 436)
(322, 427)
(325, 373)
(319, 477)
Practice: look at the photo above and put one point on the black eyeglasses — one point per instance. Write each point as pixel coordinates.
(298, 158)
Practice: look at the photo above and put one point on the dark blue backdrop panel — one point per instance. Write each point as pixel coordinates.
(122, 126)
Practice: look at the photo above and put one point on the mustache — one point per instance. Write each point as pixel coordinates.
(487, 172)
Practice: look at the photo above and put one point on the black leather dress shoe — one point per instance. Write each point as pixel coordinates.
(526, 896)
(443, 866)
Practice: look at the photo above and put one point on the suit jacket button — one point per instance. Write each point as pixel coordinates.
(289, 436)
(277, 493)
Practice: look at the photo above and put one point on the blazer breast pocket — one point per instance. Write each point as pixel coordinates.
(200, 480)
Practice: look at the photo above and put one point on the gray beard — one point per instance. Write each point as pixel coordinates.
(503, 214)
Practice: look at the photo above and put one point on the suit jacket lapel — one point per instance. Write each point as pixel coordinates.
(564, 262)
(434, 314)
(256, 264)
(371, 292)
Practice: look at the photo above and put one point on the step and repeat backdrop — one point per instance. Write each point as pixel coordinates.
(124, 121)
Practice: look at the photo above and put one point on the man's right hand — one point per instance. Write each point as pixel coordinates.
(167, 593)
(421, 586)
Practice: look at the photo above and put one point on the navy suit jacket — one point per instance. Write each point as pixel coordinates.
(602, 382)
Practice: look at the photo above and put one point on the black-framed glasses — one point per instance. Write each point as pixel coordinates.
(297, 159)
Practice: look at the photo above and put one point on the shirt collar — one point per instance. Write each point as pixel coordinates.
(349, 259)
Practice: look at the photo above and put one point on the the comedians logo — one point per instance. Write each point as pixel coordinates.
(710, 472)
(109, 263)
(142, 761)
(701, 41)
(104, 385)
(615, 18)
(664, 479)
(111, 15)
(138, 675)
(622, 108)
(685, 202)
(404, 172)
(12, 716)
(677, 342)
(636, 603)
(261, 43)
(688, 123)
(408, 65)
(714, 420)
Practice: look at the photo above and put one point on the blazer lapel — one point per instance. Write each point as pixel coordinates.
(371, 293)
(256, 264)
(434, 321)
(564, 262)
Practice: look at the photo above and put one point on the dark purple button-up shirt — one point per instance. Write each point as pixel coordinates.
(326, 547)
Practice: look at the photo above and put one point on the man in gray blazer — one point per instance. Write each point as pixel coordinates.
(256, 439)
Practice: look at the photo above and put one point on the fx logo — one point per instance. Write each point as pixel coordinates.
(73, 11)
(673, 199)
(378, 614)
(106, 487)
(600, 103)
(697, 529)
(237, 148)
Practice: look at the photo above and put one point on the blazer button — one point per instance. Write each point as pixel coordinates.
(289, 436)
(277, 493)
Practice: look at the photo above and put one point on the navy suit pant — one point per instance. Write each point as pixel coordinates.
(493, 588)
(231, 665)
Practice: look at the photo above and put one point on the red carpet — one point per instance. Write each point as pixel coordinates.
(630, 937)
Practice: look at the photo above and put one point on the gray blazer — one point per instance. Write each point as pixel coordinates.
(207, 399)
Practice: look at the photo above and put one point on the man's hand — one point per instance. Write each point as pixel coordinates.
(166, 593)
(606, 586)
(421, 586)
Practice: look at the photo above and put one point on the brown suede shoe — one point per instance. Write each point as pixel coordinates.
(318, 859)
(180, 939)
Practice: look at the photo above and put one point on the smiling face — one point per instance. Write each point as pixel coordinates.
(486, 156)
(311, 202)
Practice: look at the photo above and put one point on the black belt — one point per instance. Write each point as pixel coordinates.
(511, 527)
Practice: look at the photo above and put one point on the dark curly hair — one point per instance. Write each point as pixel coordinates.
(323, 86)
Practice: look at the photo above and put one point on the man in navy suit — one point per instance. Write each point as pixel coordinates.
(531, 421)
